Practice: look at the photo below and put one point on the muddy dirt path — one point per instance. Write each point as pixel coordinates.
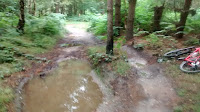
(156, 92)
(146, 89)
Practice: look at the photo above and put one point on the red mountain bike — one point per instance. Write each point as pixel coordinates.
(191, 63)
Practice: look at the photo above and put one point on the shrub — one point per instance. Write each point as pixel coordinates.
(121, 67)
(49, 25)
(139, 46)
(99, 25)
(7, 23)
(154, 41)
(43, 41)
(143, 20)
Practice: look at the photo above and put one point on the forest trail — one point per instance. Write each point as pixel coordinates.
(146, 90)
(158, 94)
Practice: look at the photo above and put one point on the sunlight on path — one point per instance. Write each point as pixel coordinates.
(77, 34)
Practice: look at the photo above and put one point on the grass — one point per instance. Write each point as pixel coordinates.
(121, 67)
(6, 95)
(99, 49)
(187, 88)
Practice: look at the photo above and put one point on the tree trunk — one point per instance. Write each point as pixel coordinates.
(158, 11)
(21, 23)
(29, 6)
(125, 15)
(57, 5)
(63, 10)
(75, 9)
(109, 47)
(70, 10)
(184, 14)
(130, 19)
(34, 8)
(118, 15)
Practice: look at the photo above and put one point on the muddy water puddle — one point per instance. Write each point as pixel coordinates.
(67, 89)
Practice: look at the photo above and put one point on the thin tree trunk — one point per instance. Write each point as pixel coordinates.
(109, 47)
(125, 15)
(62, 9)
(29, 6)
(118, 15)
(75, 8)
(131, 16)
(70, 10)
(57, 5)
(184, 14)
(34, 8)
(158, 11)
(21, 23)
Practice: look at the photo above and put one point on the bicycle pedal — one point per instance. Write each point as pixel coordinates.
(181, 58)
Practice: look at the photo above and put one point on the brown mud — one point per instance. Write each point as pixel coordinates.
(146, 89)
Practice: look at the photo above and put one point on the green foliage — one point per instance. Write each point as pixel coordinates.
(193, 23)
(43, 41)
(192, 41)
(178, 109)
(6, 56)
(6, 95)
(7, 24)
(141, 33)
(102, 38)
(99, 25)
(16, 41)
(121, 67)
(100, 61)
(143, 20)
(152, 38)
(120, 41)
(180, 92)
(48, 25)
(93, 50)
(154, 41)
(98, 58)
(139, 46)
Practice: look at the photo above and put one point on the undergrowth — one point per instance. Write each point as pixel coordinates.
(101, 61)
(6, 95)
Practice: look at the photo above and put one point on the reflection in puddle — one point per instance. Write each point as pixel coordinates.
(67, 89)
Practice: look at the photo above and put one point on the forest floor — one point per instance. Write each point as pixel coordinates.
(146, 88)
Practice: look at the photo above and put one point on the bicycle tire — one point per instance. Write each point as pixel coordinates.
(185, 70)
(171, 54)
(178, 52)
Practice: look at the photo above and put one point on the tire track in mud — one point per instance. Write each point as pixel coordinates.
(158, 94)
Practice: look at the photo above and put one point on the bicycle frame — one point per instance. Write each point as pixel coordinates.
(192, 59)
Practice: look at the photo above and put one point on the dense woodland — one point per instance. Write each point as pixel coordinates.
(31, 27)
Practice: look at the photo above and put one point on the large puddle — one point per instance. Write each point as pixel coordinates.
(67, 89)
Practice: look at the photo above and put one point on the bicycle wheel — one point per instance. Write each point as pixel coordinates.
(185, 67)
(178, 52)
(171, 54)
